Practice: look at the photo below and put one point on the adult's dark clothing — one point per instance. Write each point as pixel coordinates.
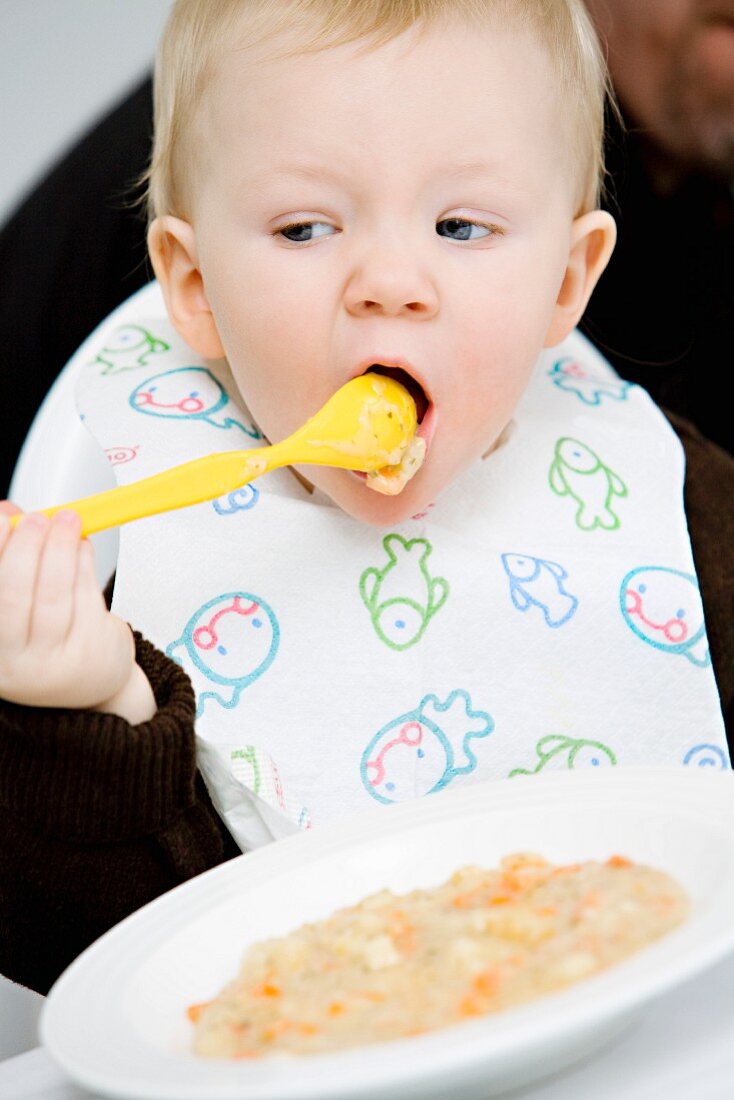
(98, 817)
(72, 252)
(663, 311)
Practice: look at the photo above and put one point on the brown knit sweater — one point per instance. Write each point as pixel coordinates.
(98, 817)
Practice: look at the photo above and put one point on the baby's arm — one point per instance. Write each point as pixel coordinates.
(97, 818)
(98, 815)
(59, 645)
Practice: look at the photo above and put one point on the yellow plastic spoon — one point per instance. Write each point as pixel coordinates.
(366, 425)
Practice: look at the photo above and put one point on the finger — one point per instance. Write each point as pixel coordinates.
(53, 602)
(88, 598)
(4, 530)
(18, 568)
(7, 509)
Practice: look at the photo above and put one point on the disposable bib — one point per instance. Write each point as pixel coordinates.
(543, 613)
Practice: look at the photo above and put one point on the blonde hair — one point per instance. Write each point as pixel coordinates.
(199, 31)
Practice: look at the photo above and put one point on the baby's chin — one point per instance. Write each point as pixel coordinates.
(352, 494)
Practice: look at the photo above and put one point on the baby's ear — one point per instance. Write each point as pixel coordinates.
(173, 253)
(593, 236)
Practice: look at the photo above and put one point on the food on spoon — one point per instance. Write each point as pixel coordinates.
(366, 444)
(391, 480)
(394, 966)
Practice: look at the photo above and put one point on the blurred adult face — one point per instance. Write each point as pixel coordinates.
(672, 63)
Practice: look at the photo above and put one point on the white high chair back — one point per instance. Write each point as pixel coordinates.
(59, 460)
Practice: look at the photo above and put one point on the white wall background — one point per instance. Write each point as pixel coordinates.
(62, 64)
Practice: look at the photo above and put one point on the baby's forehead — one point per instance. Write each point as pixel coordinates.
(431, 84)
(420, 46)
(249, 68)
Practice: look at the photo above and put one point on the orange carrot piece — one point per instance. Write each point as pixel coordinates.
(619, 861)
(487, 982)
(266, 989)
(194, 1011)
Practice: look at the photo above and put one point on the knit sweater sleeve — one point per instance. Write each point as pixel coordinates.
(97, 818)
(709, 503)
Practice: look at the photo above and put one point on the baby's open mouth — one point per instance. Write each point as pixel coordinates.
(411, 384)
(391, 480)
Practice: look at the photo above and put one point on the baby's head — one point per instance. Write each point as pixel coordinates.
(339, 183)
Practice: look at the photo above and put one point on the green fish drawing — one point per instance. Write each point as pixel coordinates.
(577, 471)
(556, 752)
(403, 597)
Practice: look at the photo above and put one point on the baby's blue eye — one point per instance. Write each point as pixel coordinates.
(300, 228)
(463, 229)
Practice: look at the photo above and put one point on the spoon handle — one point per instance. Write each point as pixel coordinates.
(189, 483)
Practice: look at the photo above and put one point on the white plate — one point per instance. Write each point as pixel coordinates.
(115, 1020)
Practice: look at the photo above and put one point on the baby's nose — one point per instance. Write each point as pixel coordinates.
(392, 285)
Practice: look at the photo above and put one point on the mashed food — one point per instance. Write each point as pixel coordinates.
(391, 480)
(397, 966)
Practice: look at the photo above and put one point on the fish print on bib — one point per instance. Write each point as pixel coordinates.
(402, 597)
(422, 751)
(543, 613)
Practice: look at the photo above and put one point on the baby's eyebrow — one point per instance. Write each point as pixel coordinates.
(322, 172)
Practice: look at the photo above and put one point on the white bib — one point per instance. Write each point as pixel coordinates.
(543, 613)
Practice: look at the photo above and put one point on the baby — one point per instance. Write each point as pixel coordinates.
(306, 227)
(412, 187)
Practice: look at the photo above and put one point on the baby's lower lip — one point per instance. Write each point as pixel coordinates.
(427, 426)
